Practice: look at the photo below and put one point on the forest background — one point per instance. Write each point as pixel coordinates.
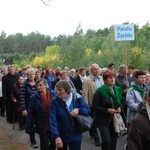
(79, 49)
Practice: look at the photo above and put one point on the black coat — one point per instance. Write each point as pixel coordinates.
(139, 132)
(78, 84)
(8, 82)
(100, 105)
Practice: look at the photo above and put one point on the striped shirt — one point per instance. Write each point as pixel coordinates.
(26, 91)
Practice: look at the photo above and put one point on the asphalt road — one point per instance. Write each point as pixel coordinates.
(21, 136)
(88, 143)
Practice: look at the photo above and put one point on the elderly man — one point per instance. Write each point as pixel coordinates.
(90, 84)
(8, 82)
(123, 81)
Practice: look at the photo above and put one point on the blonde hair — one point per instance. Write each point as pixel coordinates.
(30, 70)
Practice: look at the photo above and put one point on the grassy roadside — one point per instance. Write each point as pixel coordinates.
(7, 144)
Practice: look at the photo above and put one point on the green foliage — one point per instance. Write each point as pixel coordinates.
(52, 50)
(78, 49)
(50, 59)
(137, 58)
(143, 37)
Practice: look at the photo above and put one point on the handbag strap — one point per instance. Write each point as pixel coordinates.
(112, 102)
(74, 97)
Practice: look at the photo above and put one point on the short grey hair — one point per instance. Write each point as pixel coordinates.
(121, 67)
(63, 72)
(64, 84)
(44, 81)
(30, 70)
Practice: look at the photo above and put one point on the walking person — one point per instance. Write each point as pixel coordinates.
(27, 90)
(135, 94)
(89, 86)
(8, 82)
(123, 81)
(39, 108)
(139, 133)
(62, 113)
(106, 102)
(15, 95)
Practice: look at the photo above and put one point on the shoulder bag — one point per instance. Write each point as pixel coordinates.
(118, 122)
(82, 122)
(119, 125)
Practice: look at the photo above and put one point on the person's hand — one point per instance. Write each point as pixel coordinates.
(14, 100)
(24, 113)
(111, 111)
(118, 110)
(59, 143)
(74, 112)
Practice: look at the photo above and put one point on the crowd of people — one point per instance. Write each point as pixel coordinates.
(41, 101)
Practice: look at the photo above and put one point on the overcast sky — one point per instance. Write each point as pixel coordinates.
(63, 16)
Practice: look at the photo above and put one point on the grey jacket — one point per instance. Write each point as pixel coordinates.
(133, 98)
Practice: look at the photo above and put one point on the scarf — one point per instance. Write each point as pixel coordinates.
(82, 78)
(46, 104)
(116, 96)
(46, 101)
(66, 98)
(136, 88)
(69, 102)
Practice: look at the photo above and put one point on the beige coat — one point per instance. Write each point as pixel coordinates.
(89, 87)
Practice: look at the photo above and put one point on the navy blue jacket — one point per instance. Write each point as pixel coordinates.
(36, 114)
(62, 124)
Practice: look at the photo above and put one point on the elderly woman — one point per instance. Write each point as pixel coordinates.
(135, 94)
(15, 95)
(39, 107)
(106, 102)
(27, 90)
(139, 132)
(63, 129)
